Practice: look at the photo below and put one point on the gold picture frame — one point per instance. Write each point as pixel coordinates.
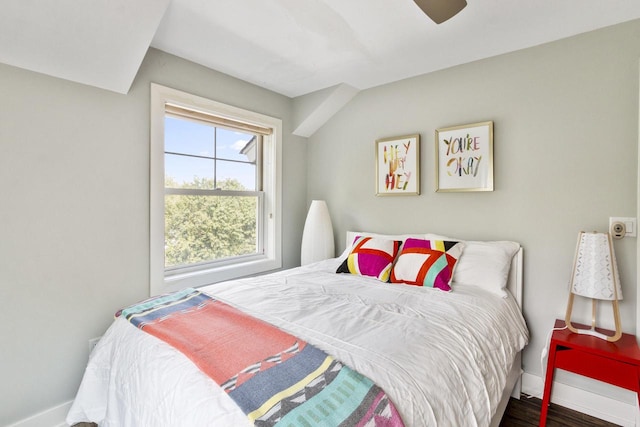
(464, 158)
(398, 166)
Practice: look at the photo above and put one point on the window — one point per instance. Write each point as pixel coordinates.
(215, 180)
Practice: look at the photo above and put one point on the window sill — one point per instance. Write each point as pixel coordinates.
(217, 274)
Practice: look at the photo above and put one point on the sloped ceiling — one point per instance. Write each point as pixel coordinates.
(298, 46)
(99, 43)
(293, 47)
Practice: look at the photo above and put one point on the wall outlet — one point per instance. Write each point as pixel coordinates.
(93, 342)
(630, 225)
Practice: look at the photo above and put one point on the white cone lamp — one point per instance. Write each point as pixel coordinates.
(595, 276)
(317, 237)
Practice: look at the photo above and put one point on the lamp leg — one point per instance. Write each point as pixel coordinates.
(616, 316)
(567, 318)
(616, 319)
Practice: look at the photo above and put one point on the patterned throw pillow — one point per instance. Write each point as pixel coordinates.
(427, 263)
(371, 257)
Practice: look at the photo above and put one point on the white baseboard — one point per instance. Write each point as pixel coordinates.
(52, 417)
(589, 403)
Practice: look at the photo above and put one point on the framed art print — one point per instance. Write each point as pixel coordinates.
(398, 166)
(464, 158)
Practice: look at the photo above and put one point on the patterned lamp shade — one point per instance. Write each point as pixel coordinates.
(595, 274)
(317, 237)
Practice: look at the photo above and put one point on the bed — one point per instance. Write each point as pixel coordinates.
(444, 358)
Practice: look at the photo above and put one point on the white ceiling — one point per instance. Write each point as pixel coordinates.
(293, 47)
(95, 42)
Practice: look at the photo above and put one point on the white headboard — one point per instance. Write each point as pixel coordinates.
(514, 284)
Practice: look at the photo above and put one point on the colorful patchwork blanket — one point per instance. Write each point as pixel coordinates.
(274, 377)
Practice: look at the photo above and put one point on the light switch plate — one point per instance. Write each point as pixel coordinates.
(629, 223)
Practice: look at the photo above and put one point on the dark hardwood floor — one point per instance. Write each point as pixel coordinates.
(526, 412)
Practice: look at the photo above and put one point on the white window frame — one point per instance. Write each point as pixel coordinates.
(162, 281)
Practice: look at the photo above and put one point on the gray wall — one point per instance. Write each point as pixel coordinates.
(74, 216)
(565, 152)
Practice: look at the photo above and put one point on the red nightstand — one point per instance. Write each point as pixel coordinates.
(616, 363)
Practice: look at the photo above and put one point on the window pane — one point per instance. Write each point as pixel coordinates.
(209, 228)
(188, 172)
(235, 175)
(234, 145)
(186, 137)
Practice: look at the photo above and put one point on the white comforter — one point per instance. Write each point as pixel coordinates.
(441, 357)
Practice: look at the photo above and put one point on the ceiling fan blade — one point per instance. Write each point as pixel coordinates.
(441, 10)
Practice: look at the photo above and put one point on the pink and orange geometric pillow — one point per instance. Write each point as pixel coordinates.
(372, 257)
(428, 263)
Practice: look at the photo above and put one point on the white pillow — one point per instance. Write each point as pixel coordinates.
(485, 264)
